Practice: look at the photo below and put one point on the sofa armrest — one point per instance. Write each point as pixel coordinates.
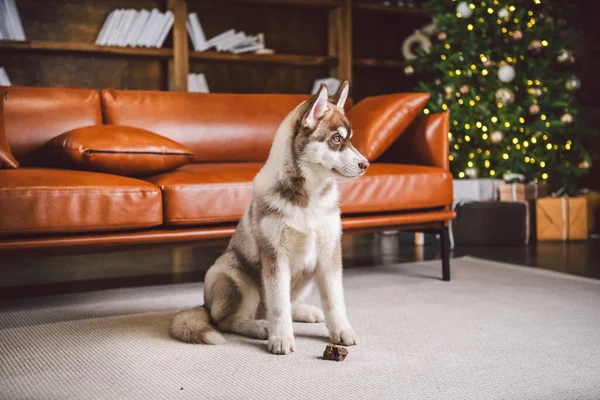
(425, 142)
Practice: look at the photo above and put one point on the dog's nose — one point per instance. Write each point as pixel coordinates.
(363, 165)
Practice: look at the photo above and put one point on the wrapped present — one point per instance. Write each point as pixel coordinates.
(562, 218)
(491, 223)
(471, 190)
(522, 191)
(528, 193)
(593, 203)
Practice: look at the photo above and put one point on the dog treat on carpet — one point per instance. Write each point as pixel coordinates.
(335, 353)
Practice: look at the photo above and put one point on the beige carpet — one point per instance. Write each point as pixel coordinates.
(494, 332)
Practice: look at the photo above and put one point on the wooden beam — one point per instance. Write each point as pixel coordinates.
(345, 43)
(180, 67)
(333, 40)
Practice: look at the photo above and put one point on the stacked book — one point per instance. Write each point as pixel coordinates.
(228, 41)
(4, 81)
(197, 83)
(10, 22)
(135, 28)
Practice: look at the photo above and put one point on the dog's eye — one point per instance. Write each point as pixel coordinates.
(337, 138)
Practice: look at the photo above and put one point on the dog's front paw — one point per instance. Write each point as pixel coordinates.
(345, 337)
(281, 344)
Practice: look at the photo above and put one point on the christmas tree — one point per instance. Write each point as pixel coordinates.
(505, 72)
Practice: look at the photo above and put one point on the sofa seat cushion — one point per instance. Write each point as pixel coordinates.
(209, 193)
(215, 193)
(396, 187)
(40, 200)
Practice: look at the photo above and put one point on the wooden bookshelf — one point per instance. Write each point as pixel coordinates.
(338, 41)
(283, 59)
(378, 63)
(391, 9)
(74, 47)
(294, 3)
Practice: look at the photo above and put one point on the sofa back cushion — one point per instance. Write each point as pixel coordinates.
(215, 126)
(32, 116)
(6, 158)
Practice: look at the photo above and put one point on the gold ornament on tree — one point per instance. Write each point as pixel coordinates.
(471, 172)
(448, 91)
(535, 47)
(534, 109)
(567, 118)
(517, 35)
(573, 83)
(584, 164)
(464, 89)
(496, 137)
(442, 36)
(504, 96)
(409, 70)
(565, 56)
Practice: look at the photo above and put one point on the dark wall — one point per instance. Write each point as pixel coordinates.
(588, 54)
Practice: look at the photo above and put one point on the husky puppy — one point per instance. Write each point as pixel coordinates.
(288, 237)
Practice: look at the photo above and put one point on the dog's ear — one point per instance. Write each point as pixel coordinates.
(317, 106)
(342, 94)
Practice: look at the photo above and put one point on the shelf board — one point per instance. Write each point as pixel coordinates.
(283, 59)
(74, 47)
(391, 9)
(296, 3)
(379, 63)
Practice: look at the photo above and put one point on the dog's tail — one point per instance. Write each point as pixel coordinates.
(193, 326)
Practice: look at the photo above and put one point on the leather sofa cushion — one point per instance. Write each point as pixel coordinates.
(6, 158)
(119, 150)
(379, 120)
(206, 193)
(214, 193)
(215, 126)
(36, 200)
(35, 115)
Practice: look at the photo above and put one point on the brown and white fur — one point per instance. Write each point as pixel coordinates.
(288, 237)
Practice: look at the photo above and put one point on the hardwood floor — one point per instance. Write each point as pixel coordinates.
(32, 277)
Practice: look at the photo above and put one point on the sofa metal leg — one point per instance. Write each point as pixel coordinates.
(445, 249)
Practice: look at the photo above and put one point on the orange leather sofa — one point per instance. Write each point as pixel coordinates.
(409, 187)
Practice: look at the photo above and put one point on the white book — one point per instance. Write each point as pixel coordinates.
(114, 30)
(220, 37)
(248, 49)
(198, 32)
(189, 28)
(4, 81)
(230, 42)
(201, 83)
(110, 27)
(4, 32)
(192, 83)
(136, 27)
(147, 32)
(114, 37)
(18, 33)
(8, 20)
(130, 17)
(248, 41)
(160, 24)
(166, 30)
(144, 31)
(104, 28)
(156, 26)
